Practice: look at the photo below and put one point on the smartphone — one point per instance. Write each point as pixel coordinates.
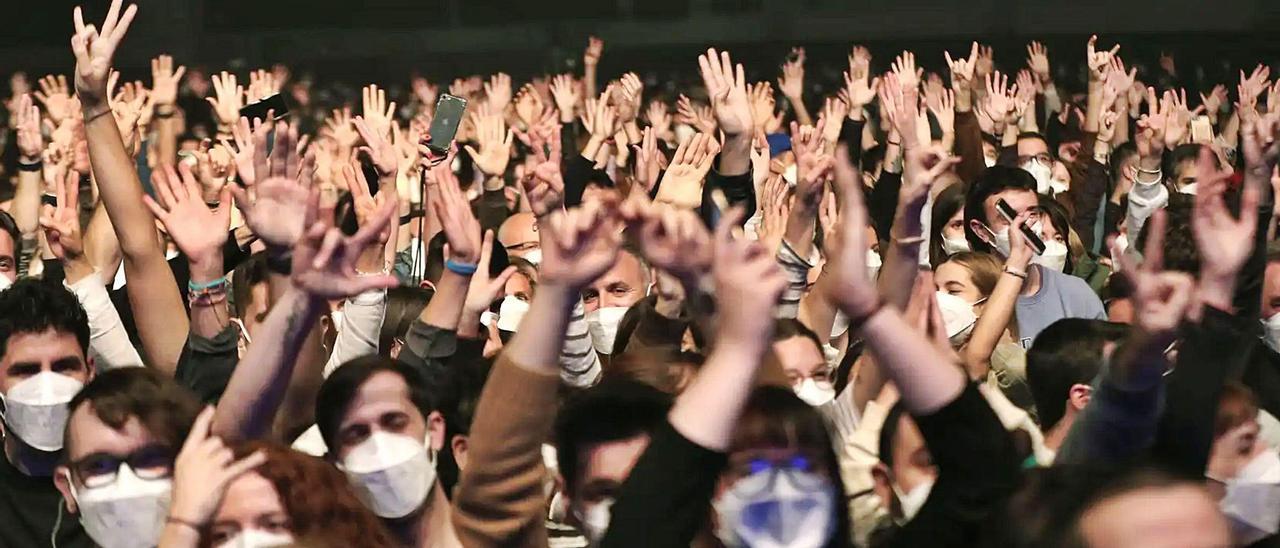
(444, 125)
(274, 104)
(1201, 130)
(1032, 238)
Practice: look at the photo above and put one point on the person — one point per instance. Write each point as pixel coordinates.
(1061, 367)
(519, 236)
(1047, 295)
(946, 233)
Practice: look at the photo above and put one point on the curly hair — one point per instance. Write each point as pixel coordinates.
(322, 508)
(36, 306)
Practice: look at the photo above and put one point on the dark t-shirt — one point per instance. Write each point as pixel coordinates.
(30, 508)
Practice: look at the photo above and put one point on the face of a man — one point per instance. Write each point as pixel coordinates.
(1184, 173)
(95, 451)
(382, 404)
(622, 285)
(29, 354)
(1033, 148)
(1271, 290)
(8, 257)
(1182, 516)
(604, 466)
(519, 234)
(1021, 200)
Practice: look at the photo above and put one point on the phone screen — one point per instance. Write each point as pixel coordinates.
(449, 111)
(273, 104)
(1032, 238)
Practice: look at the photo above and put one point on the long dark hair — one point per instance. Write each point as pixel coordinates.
(945, 206)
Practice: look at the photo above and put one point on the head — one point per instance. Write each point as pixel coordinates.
(1055, 227)
(1181, 168)
(781, 442)
(1271, 282)
(1155, 509)
(982, 221)
(1062, 364)
(600, 434)
(519, 235)
(946, 224)
(969, 275)
(905, 474)
(43, 328)
(1033, 146)
(293, 497)
(131, 416)
(250, 292)
(1181, 254)
(376, 394)
(404, 305)
(621, 286)
(10, 238)
(799, 352)
(1124, 164)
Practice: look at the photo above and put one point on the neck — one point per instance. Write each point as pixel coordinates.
(430, 525)
(1055, 436)
(29, 460)
(1032, 285)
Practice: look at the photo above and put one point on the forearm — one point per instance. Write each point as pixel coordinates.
(158, 312)
(1093, 107)
(25, 208)
(802, 113)
(707, 411)
(796, 266)
(208, 318)
(735, 156)
(100, 244)
(362, 317)
(995, 318)
(256, 389)
(799, 230)
(923, 374)
(968, 145)
(166, 136)
(121, 191)
(446, 305)
(108, 340)
(902, 260)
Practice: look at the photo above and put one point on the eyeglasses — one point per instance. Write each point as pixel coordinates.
(1044, 158)
(101, 469)
(783, 470)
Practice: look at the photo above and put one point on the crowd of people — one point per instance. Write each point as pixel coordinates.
(967, 308)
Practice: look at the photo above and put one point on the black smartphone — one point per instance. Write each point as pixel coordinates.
(444, 125)
(1008, 213)
(273, 104)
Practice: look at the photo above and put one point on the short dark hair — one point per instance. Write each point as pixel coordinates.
(337, 392)
(165, 408)
(1066, 353)
(615, 409)
(36, 306)
(994, 180)
(9, 226)
(1119, 156)
(1180, 154)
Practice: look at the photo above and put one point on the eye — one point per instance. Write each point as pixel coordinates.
(355, 434)
(591, 295)
(395, 422)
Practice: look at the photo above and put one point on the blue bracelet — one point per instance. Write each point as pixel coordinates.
(460, 268)
(193, 286)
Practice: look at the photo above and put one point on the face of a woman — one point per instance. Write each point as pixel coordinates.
(251, 502)
(953, 278)
(1050, 233)
(954, 229)
(518, 286)
(744, 461)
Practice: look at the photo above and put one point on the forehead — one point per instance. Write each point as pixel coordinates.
(7, 245)
(1019, 199)
(46, 346)
(952, 272)
(249, 496)
(518, 283)
(87, 434)
(1031, 145)
(612, 460)
(626, 269)
(1177, 516)
(799, 354)
(384, 391)
(518, 228)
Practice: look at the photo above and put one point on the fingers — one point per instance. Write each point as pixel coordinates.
(1153, 251)
(200, 428)
(236, 469)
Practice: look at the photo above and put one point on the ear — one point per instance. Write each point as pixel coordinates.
(435, 430)
(93, 369)
(882, 486)
(981, 231)
(62, 480)
(1079, 396)
(459, 447)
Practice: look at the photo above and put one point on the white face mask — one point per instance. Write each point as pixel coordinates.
(989, 160)
(1271, 331)
(36, 409)
(1058, 187)
(873, 264)
(911, 502)
(257, 538)
(1001, 241)
(603, 325)
(839, 325)
(790, 173)
(5, 282)
(594, 520)
(534, 256)
(958, 316)
(127, 513)
(1042, 173)
(776, 508)
(392, 474)
(1122, 242)
(1252, 503)
(1188, 189)
(951, 246)
(1054, 256)
(813, 392)
(510, 312)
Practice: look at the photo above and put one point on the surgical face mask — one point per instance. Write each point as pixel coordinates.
(510, 312)
(1252, 503)
(5, 282)
(1188, 189)
(1271, 331)
(873, 264)
(776, 508)
(594, 520)
(603, 325)
(912, 501)
(392, 474)
(789, 174)
(957, 315)
(127, 513)
(951, 246)
(534, 256)
(257, 538)
(36, 409)
(1042, 173)
(1054, 256)
(1058, 187)
(814, 392)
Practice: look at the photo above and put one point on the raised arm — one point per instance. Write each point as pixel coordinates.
(998, 311)
(727, 87)
(791, 82)
(26, 198)
(164, 98)
(153, 295)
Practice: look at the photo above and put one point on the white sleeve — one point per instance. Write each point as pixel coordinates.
(797, 270)
(579, 363)
(1144, 200)
(360, 326)
(108, 341)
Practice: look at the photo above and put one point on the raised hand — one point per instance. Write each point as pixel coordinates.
(1225, 242)
(544, 185)
(1177, 117)
(341, 129)
(1038, 61)
(55, 95)
(565, 92)
(727, 87)
(647, 160)
(595, 48)
(250, 148)
(529, 107)
(813, 165)
(1001, 98)
(775, 210)
(495, 142)
(202, 471)
(659, 119)
(498, 91)
(30, 140)
(228, 99)
(671, 238)
(1151, 127)
(600, 118)
(1107, 126)
(923, 165)
(379, 151)
(904, 66)
(846, 268)
(425, 92)
(985, 62)
(1260, 143)
(275, 203)
(485, 289)
(95, 48)
(1099, 61)
(791, 83)
(579, 244)
(945, 111)
(165, 80)
(197, 230)
(61, 223)
(262, 84)
(1161, 299)
(324, 259)
(682, 182)
(627, 96)
(700, 117)
(859, 87)
(377, 113)
(461, 228)
(962, 69)
(833, 112)
(748, 280)
(1214, 100)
